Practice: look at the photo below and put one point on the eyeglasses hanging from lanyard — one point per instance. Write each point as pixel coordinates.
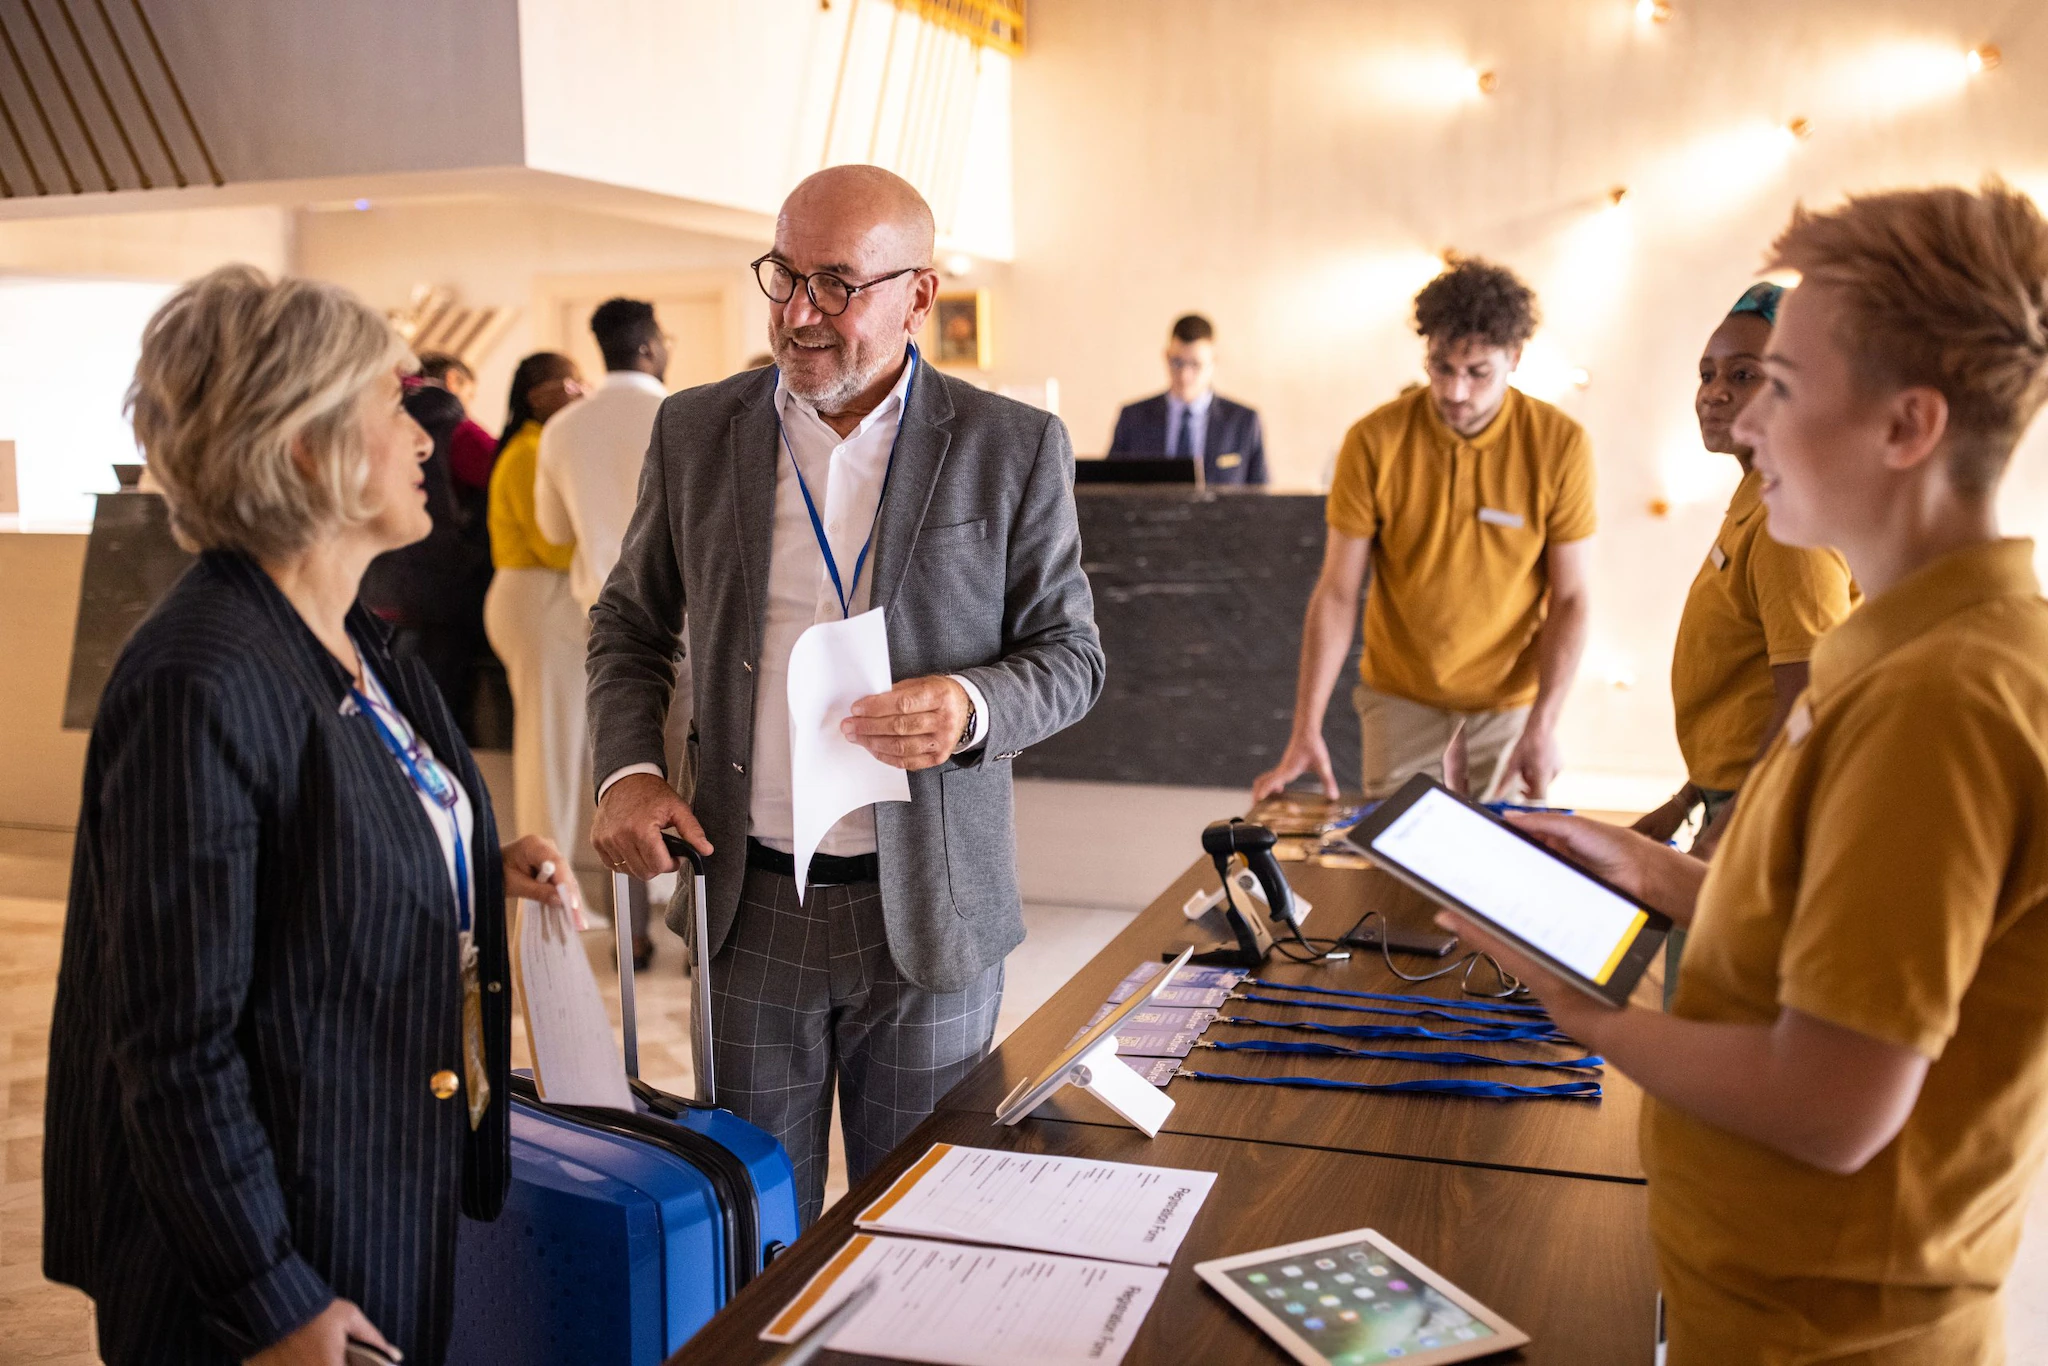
(845, 589)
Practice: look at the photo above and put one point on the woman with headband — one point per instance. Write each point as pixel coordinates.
(1755, 609)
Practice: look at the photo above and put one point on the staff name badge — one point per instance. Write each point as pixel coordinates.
(1718, 558)
(1496, 517)
(1799, 724)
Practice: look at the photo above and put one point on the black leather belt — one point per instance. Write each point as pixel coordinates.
(827, 870)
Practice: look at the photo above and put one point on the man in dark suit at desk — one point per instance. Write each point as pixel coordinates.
(1191, 417)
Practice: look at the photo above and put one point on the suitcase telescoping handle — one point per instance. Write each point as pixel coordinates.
(700, 974)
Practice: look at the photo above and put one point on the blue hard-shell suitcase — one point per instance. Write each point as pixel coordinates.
(623, 1234)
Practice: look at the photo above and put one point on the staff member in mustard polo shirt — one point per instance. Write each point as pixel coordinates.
(1755, 609)
(1848, 1102)
(1469, 506)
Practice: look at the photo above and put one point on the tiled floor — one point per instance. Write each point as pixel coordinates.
(1090, 854)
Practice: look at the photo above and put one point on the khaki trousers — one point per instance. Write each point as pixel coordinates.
(1400, 738)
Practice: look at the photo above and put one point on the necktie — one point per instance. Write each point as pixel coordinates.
(1184, 439)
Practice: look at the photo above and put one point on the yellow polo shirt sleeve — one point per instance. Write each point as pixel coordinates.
(1352, 509)
(1799, 594)
(1909, 835)
(1572, 516)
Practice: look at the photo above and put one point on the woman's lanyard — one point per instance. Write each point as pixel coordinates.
(846, 590)
(431, 781)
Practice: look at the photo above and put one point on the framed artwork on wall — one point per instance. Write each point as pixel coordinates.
(960, 322)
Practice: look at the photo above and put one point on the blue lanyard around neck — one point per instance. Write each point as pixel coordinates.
(436, 786)
(846, 590)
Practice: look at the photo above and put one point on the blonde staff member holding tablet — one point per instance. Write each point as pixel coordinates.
(1848, 1103)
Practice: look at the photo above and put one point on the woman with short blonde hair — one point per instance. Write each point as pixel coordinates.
(279, 1055)
(1847, 1105)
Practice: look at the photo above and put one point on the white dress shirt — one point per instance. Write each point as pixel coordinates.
(845, 478)
(1198, 429)
(589, 474)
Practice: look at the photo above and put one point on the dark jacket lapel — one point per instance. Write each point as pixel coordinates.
(753, 448)
(921, 445)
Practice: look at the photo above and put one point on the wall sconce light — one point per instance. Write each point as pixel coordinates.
(1486, 82)
(1982, 59)
(1616, 195)
(1801, 127)
(1653, 11)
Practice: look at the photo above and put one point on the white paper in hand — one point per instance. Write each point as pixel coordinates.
(832, 666)
(576, 1059)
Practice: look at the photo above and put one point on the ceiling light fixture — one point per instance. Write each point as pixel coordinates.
(1653, 11)
(1982, 59)
(1801, 127)
(1616, 195)
(1486, 82)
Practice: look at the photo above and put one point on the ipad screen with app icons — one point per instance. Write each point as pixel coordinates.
(1355, 1299)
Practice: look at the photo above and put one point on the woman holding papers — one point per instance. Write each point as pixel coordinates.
(279, 1056)
(1848, 1103)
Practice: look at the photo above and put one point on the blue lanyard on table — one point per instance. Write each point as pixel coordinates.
(846, 590)
(1446, 1059)
(1430, 1012)
(433, 783)
(1500, 1006)
(1441, 1086)
(1482, 1034)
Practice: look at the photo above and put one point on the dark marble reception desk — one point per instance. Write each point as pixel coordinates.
(1199, 597)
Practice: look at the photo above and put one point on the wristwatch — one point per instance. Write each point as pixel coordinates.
(966, 731)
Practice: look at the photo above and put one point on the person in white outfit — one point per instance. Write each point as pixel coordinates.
(533, 622)
(589, 477)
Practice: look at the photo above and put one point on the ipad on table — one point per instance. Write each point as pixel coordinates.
(1591, 933)
(1354, 1299)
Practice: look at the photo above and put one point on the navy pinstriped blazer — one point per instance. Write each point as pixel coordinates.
(259, 977)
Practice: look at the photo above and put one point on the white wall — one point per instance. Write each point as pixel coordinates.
(74, 295)
(731, 103)
(147, 246)
(1291, 170)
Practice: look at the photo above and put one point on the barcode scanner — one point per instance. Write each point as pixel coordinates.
(1253, 844)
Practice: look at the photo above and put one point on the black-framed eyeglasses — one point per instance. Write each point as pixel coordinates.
(829, 294)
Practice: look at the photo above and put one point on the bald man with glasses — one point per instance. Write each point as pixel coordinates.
(850, 476)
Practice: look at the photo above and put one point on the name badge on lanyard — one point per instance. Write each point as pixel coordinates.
(846, 589)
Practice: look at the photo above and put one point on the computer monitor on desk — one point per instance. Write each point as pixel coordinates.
(1118, 469)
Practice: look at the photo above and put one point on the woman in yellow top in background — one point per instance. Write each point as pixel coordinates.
(1847, 1105)
(1755, 608)
(533, 621)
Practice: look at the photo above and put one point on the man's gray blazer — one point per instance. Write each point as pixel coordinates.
(977, 559)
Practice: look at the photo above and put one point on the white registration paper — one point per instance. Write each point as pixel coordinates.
(954, 1305)
(576, 1059)
(832, 666)
(1118, 1210)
